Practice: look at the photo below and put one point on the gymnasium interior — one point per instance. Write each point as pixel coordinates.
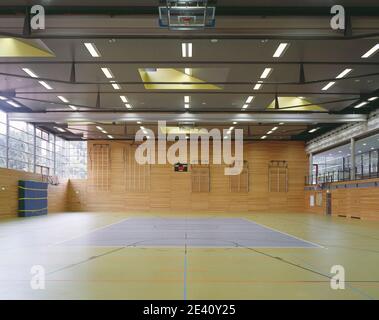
(85, 85)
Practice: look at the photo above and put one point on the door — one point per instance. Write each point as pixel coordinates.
(329, 203)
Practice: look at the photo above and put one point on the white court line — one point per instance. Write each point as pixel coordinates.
(88, 232)
(287, 234)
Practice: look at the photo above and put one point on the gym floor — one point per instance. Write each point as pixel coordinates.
(157, 256)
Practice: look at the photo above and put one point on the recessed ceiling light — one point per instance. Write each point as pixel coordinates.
(372, 148)
(73, 107)
(328, 86)
(275, 128)
(108, 73)
(365, 144)
(139, 122)
(373, 99)
(46, 85)
(3, 98)
(186, 105)
(249, 99)
(142, 128)
(313, 130)
(245, 106)
(92, 50)
(258, 85)
(263, 137)
(266, 72)
(269, 132)
(13, 104)
(361, 105)
(124, 99)
(186, 99)
(186, 50)
(344, 73)
(231, 128)
(280, 50)
(63, 99)
(371, 52)
(226, 137)
(110, 137)
(301, 98)
(99, 128)
(281, 123)
(30, 72)
(128, 106)
(103, 131)
(235, 122)
(188, 71)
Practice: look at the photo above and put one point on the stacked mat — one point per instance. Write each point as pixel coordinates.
(32, 198)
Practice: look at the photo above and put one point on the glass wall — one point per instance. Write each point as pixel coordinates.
(24, 147)
(335, 164)
(3, 139)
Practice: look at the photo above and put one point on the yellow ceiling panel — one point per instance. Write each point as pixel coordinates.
(20, 48)
(172, 75)
(303, 105)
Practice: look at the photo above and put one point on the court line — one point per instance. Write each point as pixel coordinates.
(285, 233)
(88, 232)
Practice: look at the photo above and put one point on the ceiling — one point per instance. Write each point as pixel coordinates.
(234, 64)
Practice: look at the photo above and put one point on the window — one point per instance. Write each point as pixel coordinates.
(21, 146)
(24, 147)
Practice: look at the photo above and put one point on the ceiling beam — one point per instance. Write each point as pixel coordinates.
(211, 117)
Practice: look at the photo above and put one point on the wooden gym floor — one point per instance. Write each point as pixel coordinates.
(78, 266)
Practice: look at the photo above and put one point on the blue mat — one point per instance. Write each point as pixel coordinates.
(215, 232)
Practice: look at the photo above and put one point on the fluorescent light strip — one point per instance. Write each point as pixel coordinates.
(244, 106)
(275, 128)
(3, 98)
(108, 73)
(92, 50)
(344, 73)
(263, 137)
(115, 85)
(186, 106)
(249, 99)
(110, 137)
(313, 130)
(128, 106)
(73, 107)
(46, 85)
(60, 129)
(186, 50)
(258, 85)
(124, 99)
(30, 72)
(373, 99)
(328, 86)
(266, 72)
(269, 132)
(63, 99)
(13, 104)
(361, 105)
(186, 99)
(99, 128)
(280, 50)
(371, 52)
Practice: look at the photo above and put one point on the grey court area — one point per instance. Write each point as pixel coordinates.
(214, 232)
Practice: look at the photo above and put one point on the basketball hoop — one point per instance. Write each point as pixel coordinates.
(186, 15)
(52, 180)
